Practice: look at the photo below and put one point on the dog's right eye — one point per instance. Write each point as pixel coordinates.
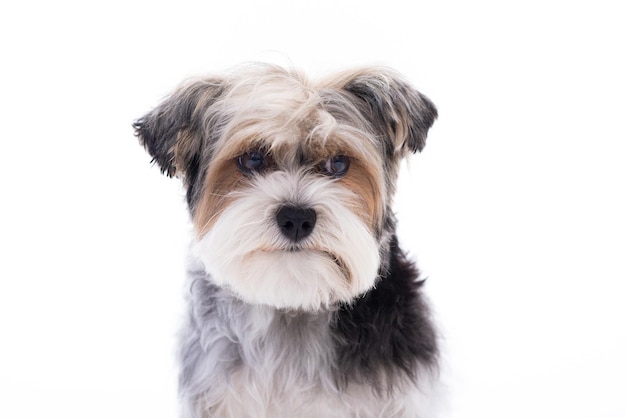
(249, 162)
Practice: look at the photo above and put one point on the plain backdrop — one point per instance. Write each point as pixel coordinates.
(515, 210)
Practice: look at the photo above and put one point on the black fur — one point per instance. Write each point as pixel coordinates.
(388, 331)
(180, 116)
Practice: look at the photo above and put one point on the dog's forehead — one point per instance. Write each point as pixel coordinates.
(299, 123)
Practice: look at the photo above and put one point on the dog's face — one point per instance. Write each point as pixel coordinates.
(289, 183)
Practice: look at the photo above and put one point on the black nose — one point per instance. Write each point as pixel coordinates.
(296, 223)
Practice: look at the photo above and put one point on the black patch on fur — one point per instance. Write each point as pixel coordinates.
(158, 130)
(193, 175)
(182, 113)
(388, 332)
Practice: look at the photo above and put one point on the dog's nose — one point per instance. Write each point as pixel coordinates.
(296, 223)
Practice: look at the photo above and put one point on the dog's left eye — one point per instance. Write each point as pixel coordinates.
(337, 166)
(250, 162)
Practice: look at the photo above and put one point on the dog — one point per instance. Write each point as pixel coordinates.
(301, 303)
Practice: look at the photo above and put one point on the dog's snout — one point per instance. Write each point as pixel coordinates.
(296, 223)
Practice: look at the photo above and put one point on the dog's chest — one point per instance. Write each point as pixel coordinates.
(284, 367)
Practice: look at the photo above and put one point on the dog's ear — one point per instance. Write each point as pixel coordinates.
(395, 108)
(173, 132)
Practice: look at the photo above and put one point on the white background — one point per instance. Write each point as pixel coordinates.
(515, 210)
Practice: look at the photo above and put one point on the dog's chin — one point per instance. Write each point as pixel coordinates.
(292, 278)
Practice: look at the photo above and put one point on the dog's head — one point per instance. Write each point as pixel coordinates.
(289, 183)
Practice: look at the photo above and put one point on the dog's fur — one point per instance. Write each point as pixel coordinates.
(327, 320)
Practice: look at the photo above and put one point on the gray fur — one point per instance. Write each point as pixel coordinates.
(288, 351)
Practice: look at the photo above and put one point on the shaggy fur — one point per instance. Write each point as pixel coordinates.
(301, 303)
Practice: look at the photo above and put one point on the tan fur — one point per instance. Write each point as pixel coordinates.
(222, 179)
(367, 196)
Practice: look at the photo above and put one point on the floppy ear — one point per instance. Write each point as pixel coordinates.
(173, 132)
(396, 109)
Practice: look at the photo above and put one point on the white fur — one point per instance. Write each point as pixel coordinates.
(250, 397)
(246, 252)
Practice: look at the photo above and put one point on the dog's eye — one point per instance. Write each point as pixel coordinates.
(337, 166)
(250, 162)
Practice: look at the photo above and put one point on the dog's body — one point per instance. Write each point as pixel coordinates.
(301, 303)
